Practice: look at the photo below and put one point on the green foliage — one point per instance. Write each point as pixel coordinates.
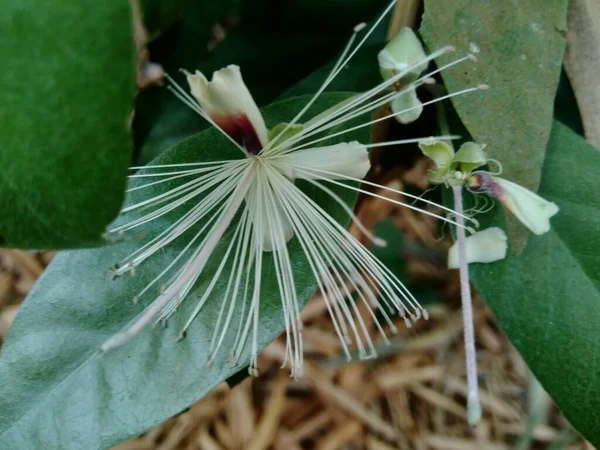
(58, 391)
(67, 85)
(519, 52)
(548, 298)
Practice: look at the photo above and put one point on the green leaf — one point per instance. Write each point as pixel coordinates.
(58, 391)
(547, 300)
(519, 52)
(67, 84)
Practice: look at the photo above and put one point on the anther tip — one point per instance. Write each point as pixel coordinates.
(449, 48)
(428, 80)
(483, 86)
(425, 314)
(472, 57)
(379, 242)
(473, 409)
(359, 27)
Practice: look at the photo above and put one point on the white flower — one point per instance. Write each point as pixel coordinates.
(531, 209)
(260, 189)
(484, 246)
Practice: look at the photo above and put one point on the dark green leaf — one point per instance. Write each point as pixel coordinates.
(519, 51)
(548, 298)
(159, 15)
(67, 84)
(57, 391)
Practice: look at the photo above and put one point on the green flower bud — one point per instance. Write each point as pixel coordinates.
(469, 157)
(441, 154)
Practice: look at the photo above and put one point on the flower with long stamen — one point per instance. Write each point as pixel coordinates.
(258, 201)
(457, 170)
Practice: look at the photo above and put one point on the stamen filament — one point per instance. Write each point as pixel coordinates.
(196, 267)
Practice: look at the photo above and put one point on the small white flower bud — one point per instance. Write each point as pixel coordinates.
(400, 54)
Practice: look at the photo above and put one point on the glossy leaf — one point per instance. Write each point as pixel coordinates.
(519, 52)
(547, 300)
(67, 87)
(58, 391)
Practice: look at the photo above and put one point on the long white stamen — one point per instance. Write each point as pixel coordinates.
(450, 137)
(340, 60)
(196, 267)
(224, 185)
(330, 249)
(377, 241)
(240, 259)
(271, 147)
(372, 194)
(329, 79)
(388, 116)
(219, 174)
(473, 403)
(164, 166)
(358, 111)
(386, 188)
(374, 91)
(182, 174)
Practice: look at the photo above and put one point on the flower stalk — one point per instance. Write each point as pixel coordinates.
(473, 403)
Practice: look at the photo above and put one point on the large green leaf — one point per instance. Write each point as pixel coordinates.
(58, 391)
(548, 298)
(67, 85)
(519, 50)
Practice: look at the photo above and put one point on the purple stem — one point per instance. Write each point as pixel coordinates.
(473, 404)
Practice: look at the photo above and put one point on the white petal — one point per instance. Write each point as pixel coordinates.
(484, 246)
(407, 106)
(350, 159)
(531, 209)
(283, 225)
(228, 102)
(402, 52)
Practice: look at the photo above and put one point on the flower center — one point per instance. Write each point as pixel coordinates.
(241, 130)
